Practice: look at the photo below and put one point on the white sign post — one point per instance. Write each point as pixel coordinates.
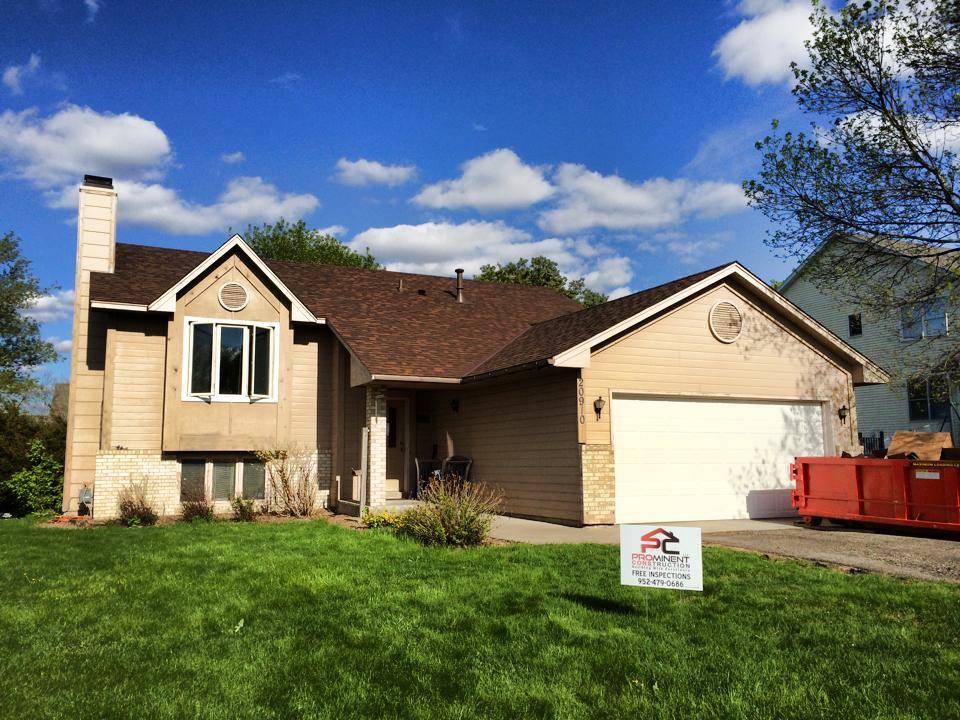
(661, 556)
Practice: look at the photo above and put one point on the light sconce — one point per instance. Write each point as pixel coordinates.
(842, 414)
(455, 405)
(598, 406)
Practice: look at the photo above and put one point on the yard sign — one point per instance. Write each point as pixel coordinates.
(661, 556)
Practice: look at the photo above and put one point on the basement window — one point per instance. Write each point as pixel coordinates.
(222, 479)
(230, 361)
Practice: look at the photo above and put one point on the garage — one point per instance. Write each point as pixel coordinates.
(708, 459)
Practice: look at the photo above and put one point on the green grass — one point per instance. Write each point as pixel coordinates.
(311, 620)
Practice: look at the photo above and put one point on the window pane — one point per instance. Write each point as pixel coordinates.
(224, 480)
(917, 400)
(191, 481)
(253, 480)
(261, 361)
(855, 324)
(231, 361)
(910, 322)
(939, 398)
(201, 358)
(934, 320)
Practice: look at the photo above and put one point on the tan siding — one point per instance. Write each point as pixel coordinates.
(312, 382)
(522, 436)
(136, 357)
(677, 355)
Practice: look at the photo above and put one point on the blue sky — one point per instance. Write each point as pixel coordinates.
(610, 136)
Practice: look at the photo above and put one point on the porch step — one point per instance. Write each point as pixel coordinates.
(394, 495)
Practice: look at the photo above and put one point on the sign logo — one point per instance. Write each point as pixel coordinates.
(659, 556)
(658, 540)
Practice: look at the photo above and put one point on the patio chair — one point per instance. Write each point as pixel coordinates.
(427, 470)
(458, 465)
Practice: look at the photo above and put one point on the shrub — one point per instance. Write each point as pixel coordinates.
(244, 509)
(39, 486)
(453, 512)
(134, 507)
(196, 507)
(383, 519)
(291, 480)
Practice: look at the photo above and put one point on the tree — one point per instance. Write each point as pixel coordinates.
(298, 243)
(878, 171)
(543, 272)
(21, 347)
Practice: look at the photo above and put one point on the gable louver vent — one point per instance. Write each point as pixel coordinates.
(233, 296)
(726, 322)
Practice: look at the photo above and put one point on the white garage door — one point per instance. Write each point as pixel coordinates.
(679, 459)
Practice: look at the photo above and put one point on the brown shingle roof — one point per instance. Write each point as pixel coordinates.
(391, 332)
(550, 337)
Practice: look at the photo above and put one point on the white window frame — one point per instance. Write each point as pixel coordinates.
(250, 338)
(923, 322)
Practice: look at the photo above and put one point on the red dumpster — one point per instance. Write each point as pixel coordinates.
(910, 493)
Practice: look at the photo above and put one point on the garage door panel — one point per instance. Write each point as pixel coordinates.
(698, 459)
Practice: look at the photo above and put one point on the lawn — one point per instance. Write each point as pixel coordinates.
(313, 620)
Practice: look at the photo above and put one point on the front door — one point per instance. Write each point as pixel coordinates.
(396, 447)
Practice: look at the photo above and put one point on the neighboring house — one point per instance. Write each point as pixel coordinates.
(920, 403)
(684, 401)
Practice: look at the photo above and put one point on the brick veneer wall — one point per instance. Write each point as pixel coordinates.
(376, 419)
(599, 493)
(116, 469)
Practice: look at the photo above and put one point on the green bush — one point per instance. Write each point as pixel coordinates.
(196, 508)
(39, 486)
(134, 507)
(452, 513)
(384, 519)
(244, 509)
(20, 429)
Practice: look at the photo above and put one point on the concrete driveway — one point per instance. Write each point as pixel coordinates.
(906, 555)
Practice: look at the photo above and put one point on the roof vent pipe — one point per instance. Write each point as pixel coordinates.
(459, 272)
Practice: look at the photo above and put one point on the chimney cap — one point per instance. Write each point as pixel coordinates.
(459, 271)
(98, 181)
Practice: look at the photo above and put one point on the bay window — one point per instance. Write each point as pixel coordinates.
(230, 361)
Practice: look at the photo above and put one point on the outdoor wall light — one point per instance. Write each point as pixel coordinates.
(598, 405)
(842, 414)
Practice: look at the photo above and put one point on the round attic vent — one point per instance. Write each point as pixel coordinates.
(233, 296)
(726, 322)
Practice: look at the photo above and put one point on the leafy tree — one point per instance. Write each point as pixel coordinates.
(878, 171)
(544, 272)
(38, 486)
(20, 430)
(298, 243)
(21, 347)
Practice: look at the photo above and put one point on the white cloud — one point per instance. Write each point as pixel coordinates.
(498, 180)
(14, 75)
(60, 148)
(93, 7)
(54, 152)
(234, 158)
(336, 230)
(479, 128)
(761, 47)
(370, 172)
(245, 200)
(689, 252)
(53, 307)
(589, 199)
(439, 247)
(287, 80)
(61, 346)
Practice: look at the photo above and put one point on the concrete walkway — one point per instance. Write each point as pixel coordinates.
(543, 533)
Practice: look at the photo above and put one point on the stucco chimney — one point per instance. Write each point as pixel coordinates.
(96, 248)
(459, 272)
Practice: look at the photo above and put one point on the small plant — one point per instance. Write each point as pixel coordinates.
(133, 506)
(196, 507)
(244, 509)
(291, 475)
(383, 519)
(453, 512)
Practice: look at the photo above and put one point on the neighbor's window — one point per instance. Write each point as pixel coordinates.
(231, 361)
(920, 321)
(928, 399)
(855, 324)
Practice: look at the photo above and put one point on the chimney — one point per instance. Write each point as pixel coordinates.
(96, 241)
(459, 272)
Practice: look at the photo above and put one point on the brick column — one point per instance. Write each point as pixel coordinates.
(376, 420)
(599, 487)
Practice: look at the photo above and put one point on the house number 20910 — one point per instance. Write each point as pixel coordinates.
(580, 400)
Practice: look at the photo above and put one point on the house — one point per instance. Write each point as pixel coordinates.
(898, 340)
(684, 401)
